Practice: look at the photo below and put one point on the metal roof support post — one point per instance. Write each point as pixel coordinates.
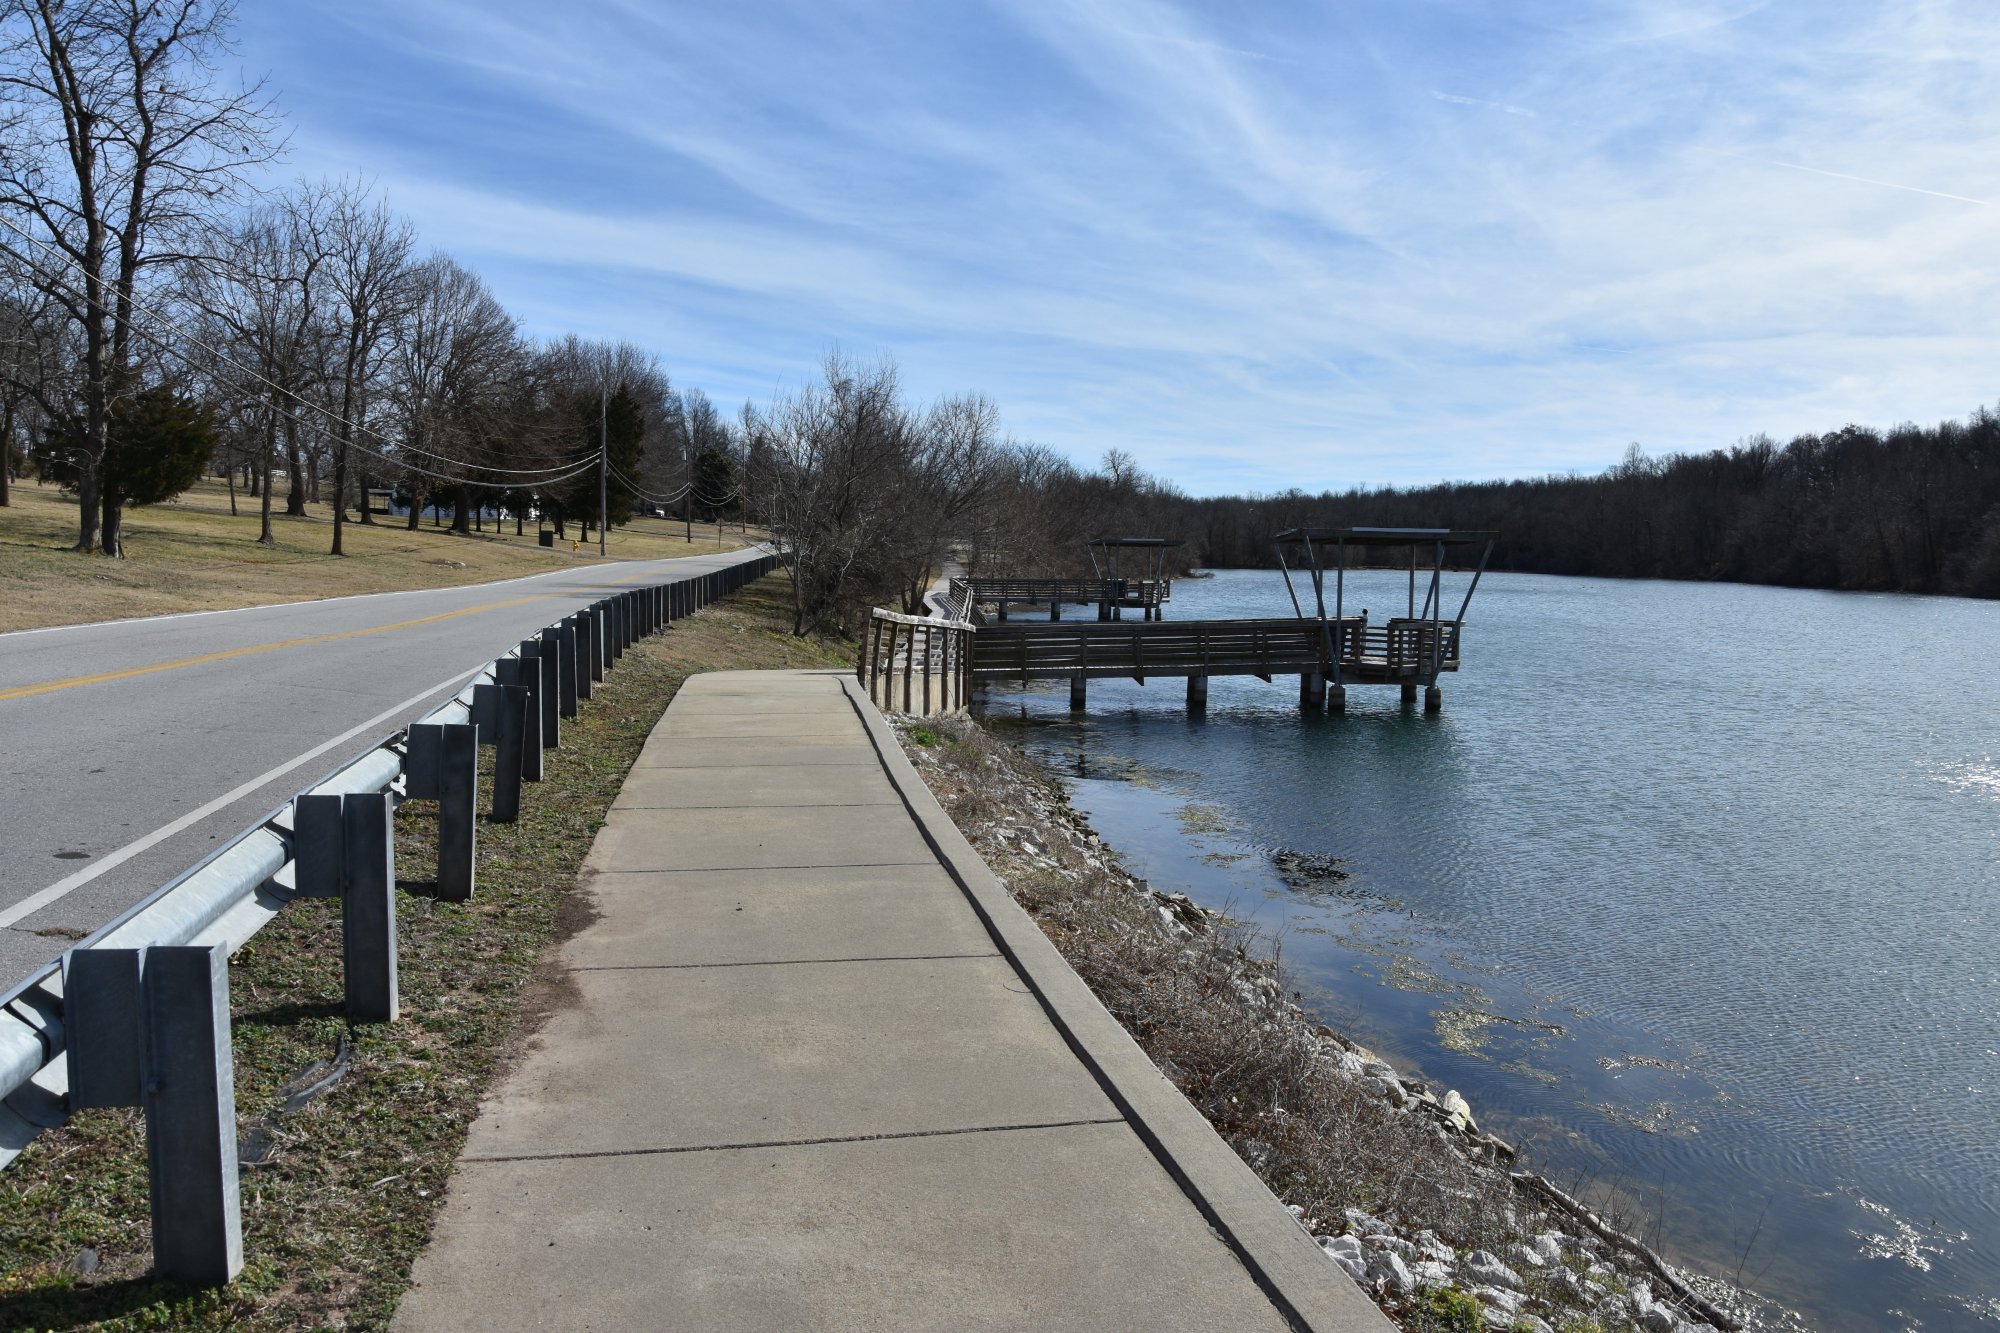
(1484, 556)
(1297, 610)
(1435, 601)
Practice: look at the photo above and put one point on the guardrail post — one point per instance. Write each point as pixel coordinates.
(191, 1116)
(500, 712)
(525, 673)
(458, 790)
(593, 628)
(423, 761)
(583, 653)
(568, 646)
(104, 1027)
(318, 844)
(368, 907)
(614, 637)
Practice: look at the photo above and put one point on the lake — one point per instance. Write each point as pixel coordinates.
(1693, 890)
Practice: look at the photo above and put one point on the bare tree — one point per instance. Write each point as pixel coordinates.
(116, 142)
(31, 339)
(259, 298)
(457, 374)
(369, 289)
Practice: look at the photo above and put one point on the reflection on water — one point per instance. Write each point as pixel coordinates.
(1691, 888)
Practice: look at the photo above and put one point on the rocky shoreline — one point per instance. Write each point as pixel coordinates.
(1396, 1180)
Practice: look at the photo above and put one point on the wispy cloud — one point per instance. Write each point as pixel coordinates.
(1866, 180)
(1253, 247)
(1457, 99)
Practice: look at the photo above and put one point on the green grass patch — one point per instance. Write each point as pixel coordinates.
(349, 1184)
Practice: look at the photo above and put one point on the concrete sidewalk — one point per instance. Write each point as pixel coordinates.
(819, 1072)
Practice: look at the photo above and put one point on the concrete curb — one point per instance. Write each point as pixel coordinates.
(1306, 1287)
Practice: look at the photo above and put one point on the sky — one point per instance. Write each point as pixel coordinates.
(1314, 243)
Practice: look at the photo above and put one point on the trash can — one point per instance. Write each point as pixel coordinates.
(546, 538)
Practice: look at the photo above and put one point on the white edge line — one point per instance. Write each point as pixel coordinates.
(36, 901)
(355, 596)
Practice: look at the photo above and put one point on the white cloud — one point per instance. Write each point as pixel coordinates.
(1674, 223)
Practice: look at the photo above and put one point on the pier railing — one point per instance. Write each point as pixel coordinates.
(1057, 593)
(1400, 647)
(916, 664)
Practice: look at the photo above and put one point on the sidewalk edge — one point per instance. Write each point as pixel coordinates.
(1307, 1288)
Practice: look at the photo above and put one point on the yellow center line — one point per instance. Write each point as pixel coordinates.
(99, 678)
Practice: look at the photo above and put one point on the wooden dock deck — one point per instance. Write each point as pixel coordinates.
(1405, 652)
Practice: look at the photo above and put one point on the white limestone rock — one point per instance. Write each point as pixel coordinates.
(1483, 1267)
(1388, 1269)
(1347, 1252)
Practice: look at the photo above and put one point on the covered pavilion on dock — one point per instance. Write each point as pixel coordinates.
(1410, 650)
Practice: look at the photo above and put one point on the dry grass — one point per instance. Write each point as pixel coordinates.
(336, 1213)
(192, 555)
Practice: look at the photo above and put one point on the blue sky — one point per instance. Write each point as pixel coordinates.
(1256, 245)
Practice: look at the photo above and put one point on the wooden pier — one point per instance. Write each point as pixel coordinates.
(1327, 650)
(1109, 596)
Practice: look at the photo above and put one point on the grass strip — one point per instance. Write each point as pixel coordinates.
(192, 554)
(350, 1179)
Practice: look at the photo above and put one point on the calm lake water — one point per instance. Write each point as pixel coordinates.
(1693, 890)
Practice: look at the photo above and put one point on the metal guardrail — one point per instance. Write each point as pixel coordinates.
(931, 658)
(137, 1013)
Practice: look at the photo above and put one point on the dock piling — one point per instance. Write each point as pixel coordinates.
(1433, 699)
(1076, 693)
(1312, 690)
(1197, 693)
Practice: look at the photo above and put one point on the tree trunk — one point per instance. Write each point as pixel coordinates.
(112, 540)
(339, 497)
(367, 511)
(416, 508)
(264, 537)
(88, 505)
(461, 511)
(295, 497)
(230, 472)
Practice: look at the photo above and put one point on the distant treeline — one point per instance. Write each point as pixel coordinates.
(1911, 510)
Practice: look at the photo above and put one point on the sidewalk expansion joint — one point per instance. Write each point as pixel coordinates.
(817, 865)
(781, 962)
(753, 1144)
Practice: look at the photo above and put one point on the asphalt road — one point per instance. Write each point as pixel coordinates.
(130, 750)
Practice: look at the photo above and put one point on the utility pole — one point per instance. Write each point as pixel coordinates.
(603, 464)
